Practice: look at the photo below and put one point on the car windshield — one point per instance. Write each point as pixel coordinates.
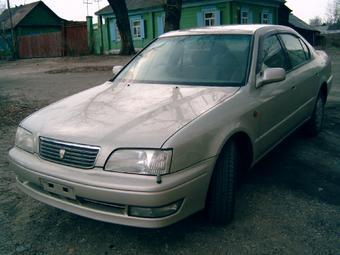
(202, 60)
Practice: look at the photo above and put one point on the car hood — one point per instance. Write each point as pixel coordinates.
(125, 115)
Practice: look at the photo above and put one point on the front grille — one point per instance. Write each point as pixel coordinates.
(70, 154)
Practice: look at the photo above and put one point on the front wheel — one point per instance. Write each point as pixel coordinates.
(315, 123)
(221, 196)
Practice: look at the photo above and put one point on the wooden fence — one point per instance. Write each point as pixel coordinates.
(71, 41)
(39, 46)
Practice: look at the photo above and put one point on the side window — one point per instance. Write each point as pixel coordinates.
(294, 49)
(305, 49)
(272, 54)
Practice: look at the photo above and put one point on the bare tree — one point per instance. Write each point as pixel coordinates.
(2, 6)
(332, 12)
(173, 9)
(316, 21)
(120, 10)
(2, 9)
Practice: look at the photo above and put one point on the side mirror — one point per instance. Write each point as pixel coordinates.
(116, 69)
(271, 75)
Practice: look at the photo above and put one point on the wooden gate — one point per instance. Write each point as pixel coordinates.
(40, 46)
(75, 36)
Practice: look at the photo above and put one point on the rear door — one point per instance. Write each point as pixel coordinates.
(305, 72)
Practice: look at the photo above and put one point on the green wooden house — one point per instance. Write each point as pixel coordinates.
(30, 19)
(147, 18)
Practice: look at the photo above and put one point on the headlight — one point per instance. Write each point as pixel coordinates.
(140, 161)
(24, 140)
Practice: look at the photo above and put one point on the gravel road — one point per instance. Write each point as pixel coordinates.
(288, 204)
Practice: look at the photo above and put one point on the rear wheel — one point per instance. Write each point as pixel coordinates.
(221, 196)
(314, 125)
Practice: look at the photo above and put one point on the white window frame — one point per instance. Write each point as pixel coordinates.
(136, 29)
(211, 20)
(214, 20)
(244, 19)
(265, 18)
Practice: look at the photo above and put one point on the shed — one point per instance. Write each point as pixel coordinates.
(39, 32)
(31, 20)
(286, 18)
(310, 33)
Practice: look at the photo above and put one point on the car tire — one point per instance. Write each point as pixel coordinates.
(315, 123)
(221, 195)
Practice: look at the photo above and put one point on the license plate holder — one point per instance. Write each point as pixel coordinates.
(58, 189)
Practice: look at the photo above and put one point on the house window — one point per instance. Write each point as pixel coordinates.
(244, 17)
(266, 17)
(209, 19)
(136, 29)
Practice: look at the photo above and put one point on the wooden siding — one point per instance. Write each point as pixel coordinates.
(72, 41)
(229, 14)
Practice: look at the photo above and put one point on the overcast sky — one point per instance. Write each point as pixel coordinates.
(76, 9)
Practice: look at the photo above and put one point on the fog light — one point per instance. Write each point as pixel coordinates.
(155, 212)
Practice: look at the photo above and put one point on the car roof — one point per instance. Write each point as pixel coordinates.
(228, 29)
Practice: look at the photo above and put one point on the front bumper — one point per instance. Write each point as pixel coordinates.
(108, 196)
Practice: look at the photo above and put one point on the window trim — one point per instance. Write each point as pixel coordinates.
(141, 28)
(249, 11)
(138, 28)
(209, 19)
(269, 18)
(201, 16)
(244, 10)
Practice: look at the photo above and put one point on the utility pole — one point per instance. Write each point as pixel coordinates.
(87, 2)
(97, 1)
(14, 45)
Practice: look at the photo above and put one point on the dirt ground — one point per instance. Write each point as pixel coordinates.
(288, 204)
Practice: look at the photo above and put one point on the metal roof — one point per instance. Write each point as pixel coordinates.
(18, 14)
(296, 22)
